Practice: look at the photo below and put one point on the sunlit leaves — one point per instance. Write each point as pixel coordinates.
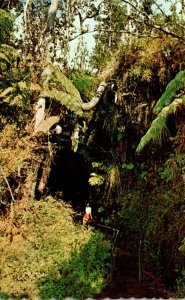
(96, 179)
(158, 128)
(127, 166)
(173, 87)
(6, 26)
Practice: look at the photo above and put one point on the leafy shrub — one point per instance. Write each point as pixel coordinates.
(83, 275)
(49, 255)
(6, 25)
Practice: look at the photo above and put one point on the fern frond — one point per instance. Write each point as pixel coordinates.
(83, 83)
(6, 92)
(10, 51)
(173, 87)
(158, 126)
(96, 179)
(55, 78)
(6, 25)
(6, 47)
(64, 98)
(22, 85)
(4, 58)
(57, 86)
(35, 87)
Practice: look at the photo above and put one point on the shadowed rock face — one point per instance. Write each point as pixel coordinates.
(69, 178)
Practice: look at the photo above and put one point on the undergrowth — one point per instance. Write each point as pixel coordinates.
(50, 256)
(84, 84)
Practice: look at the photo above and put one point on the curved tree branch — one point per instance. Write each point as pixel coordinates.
(143, 17)
(96, 98)
(158, 27)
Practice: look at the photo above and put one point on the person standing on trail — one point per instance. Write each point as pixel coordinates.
(88, 215)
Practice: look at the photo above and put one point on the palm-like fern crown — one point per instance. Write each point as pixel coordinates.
(168, 103)
(175, 86)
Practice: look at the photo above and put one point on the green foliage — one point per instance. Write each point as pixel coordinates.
(6, 26)
(173, 167)
(146, 66)
(12, 91)
(96, 179)
(174, 86)
(181, 279)
(98, 165)
(120, 136)
(10, 51)
(127, 166)
(83, 83)
(18, 94)
(57, 86)
(4, 58)
(51, 257)
(158, 128)
(6, 92)
(142, 70)
(143, 175)
(180, 286)
(7, 53)
(182, 247)
(166, 174)
(153, 60)
(152, 218)
(101, 209)
(83, 275)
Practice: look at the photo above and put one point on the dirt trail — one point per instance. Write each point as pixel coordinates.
(125, 284)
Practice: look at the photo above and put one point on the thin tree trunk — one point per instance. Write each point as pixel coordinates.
(26, 7)
(52, 14)
(9, 229)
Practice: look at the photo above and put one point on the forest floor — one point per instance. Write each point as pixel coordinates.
(125, 284)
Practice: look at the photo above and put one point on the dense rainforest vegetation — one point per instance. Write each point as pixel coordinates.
(105, 126)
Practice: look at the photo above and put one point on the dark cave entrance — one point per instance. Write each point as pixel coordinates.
(68, 179)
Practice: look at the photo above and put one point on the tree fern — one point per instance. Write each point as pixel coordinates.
(64, 98)
(158, 127)
(57, 86)
(171, 91)
(16, 94)
(6, 92)
(4, 61)
(10, 52)
(4, 58)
